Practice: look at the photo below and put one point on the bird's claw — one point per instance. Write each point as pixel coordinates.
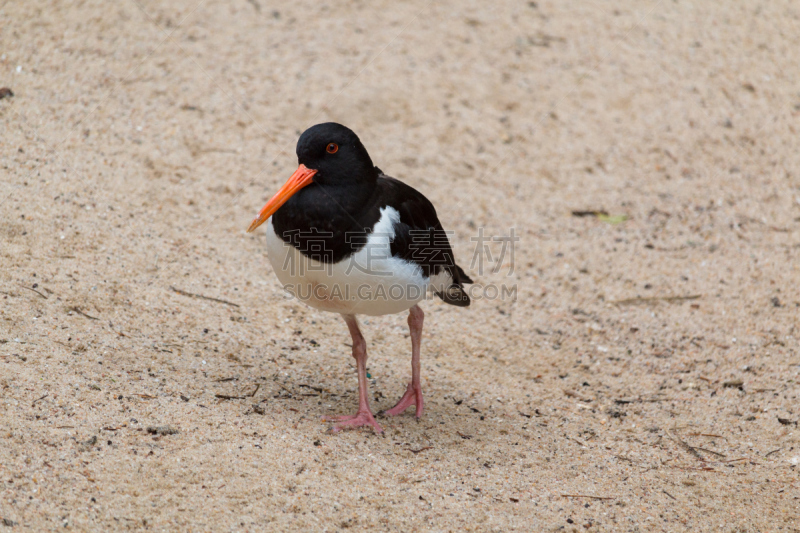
(412, 396)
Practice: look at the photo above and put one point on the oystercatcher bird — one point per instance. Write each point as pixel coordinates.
(344, 237)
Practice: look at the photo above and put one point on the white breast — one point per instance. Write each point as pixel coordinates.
(370, 282)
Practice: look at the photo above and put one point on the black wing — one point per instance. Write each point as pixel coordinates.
(420, 238)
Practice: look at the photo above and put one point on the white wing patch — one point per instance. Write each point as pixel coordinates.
(370, 282)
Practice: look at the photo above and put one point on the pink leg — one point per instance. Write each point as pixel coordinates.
(413, 395)
(363, 416)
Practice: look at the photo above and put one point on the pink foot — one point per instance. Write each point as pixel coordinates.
(413, 396)
(362, 418)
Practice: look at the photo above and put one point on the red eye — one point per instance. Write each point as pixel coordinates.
(332, 148)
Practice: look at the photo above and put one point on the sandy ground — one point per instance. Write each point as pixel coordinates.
(645, 378)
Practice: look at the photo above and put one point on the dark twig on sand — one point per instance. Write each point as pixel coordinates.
(162, 430)
(228, 397)
(76, 310)
(46, 394)
(200, 296)
(34, 290)
(318, 389)
(420, 450)
(714, 435)
(691, 449)
(710, 451)
(643, 400)
(582, 214)
(653, 299)
(588, 496)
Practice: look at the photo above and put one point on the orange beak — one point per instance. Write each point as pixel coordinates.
(301, 177)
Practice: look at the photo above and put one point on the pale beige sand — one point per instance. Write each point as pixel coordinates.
(144, 136)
